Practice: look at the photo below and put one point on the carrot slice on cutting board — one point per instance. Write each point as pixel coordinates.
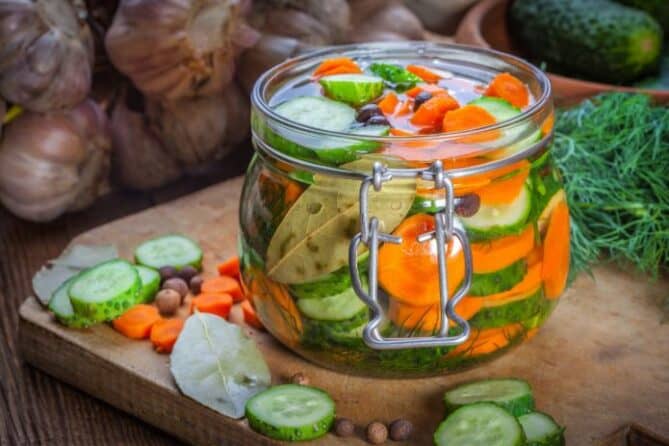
(136, 323)
(164, 334)
(556, 252)
(214, 303)
(223, 285)
(494, 255)
(229, 267)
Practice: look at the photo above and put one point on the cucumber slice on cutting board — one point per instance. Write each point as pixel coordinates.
(170, 250)
(61, 307)
(354, 89)
(337, 307)
(513, 395)
(105, 291)
(484, 284)
(492, 221)
(541, 430)
(480, 424)
(150, 279)
(291, 412)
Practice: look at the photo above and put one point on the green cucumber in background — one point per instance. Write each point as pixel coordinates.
(658, 9)
(594, 39)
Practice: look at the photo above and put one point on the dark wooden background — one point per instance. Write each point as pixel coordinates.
(36, 409)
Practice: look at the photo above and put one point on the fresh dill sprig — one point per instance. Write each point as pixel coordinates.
(613, 151)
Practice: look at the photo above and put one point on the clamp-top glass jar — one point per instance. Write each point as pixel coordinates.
(402, 215)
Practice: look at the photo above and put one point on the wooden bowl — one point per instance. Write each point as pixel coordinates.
(485, 26)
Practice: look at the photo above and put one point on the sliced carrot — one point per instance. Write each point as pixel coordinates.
(388, 103)
(408, 271)
(229, 267)
(401, 132)
(405, 107)
(470, 117)
(431, 112)
(529, 285)
(136, 323)
(336, 65)
(424, 73)
(223, 285)
(214, 303)
(415, 91)
(494, 255)
(547, 125)
(556, 252)
(427, 317)
(344, 69)
(292, 192)
(164, 334)
(509, 87)
(504, 191)
(482, 342)
(250, 315)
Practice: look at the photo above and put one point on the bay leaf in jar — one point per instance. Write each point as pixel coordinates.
(313, 238)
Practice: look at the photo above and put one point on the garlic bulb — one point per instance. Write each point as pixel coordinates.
(3, 110)
(238, 115)
(54, 162)
(140, 159)
(46, 54)
(174, 49)
(438, 15)
(384, 20)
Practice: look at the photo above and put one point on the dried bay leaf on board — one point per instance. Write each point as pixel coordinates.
(313, 238)
(214, 363)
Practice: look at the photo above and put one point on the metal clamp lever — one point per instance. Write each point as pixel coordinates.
(446, 227)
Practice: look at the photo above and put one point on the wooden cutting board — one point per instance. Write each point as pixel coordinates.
(601, 361)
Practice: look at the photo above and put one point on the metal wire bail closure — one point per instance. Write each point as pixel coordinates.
(446, 227)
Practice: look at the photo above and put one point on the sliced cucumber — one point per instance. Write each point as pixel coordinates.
(339, 151)
(493, 221)
(321, 334)
(548, 193)
(61, 307)
(105, 291)
(501, 315)
(334, 283)
(337, 307)
(150, 279)
(170, 250)
(498, 281)
(354, 89)
(541, 430)
(291, 412)
(480, 424)
(516, 138)
(318, 112)
(514, 395)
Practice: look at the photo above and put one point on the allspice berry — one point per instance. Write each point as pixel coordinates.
(168, 301)
(299, 378)
(400, 429)
(196, 284)
(177, 284)
(187, 273)
(343, 427)
(377, 432)
(167, 272)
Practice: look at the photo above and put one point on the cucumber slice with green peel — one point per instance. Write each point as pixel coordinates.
(493, 221)
(339, 151)
(334, 283)
(480, 424)
(318, 112)
(541, 430)
(508, 313)
(513, 395)
(338, 307)
(150, 279)
(105, 291)
(291, 412)
(548, 192)
(498, 281)
(354, 89)
(170, 250)
(61, 307)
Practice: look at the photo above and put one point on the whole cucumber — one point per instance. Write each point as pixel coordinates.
(658, 9)
(596, 39)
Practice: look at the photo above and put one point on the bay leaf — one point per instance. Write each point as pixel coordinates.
(217, 365)
(313, 238)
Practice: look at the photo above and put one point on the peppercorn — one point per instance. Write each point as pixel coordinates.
(299, 378)
(177, 284)
(167, 272)
(467, 205)
(377, 120)
(367, 111)
(377, 432)
(343, 427)
(196, 284)
(400, 429)
(421, 98)
(168, 301)
(187, 273)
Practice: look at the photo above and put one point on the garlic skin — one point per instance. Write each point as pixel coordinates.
(438, 15)
(238, 115)
(382, 20)
(173, 49)
(3, 110)
(46, 54)
(54, 162)
(140, 159)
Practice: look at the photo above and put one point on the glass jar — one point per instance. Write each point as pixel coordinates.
(419, 255)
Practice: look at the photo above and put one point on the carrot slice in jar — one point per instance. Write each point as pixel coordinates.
(408, 271)
(509, 87)
(470, 117)
(482, 342)
(431, 112)
(494, 255)
(556, 252)
(424, 73)
(336, 65)
(415, 91)
(506, 190)
(426, 318)
(388, 103)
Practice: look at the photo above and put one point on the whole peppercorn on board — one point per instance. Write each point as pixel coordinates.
(599, 363)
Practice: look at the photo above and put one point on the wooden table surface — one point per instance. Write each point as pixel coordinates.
(36, 409)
